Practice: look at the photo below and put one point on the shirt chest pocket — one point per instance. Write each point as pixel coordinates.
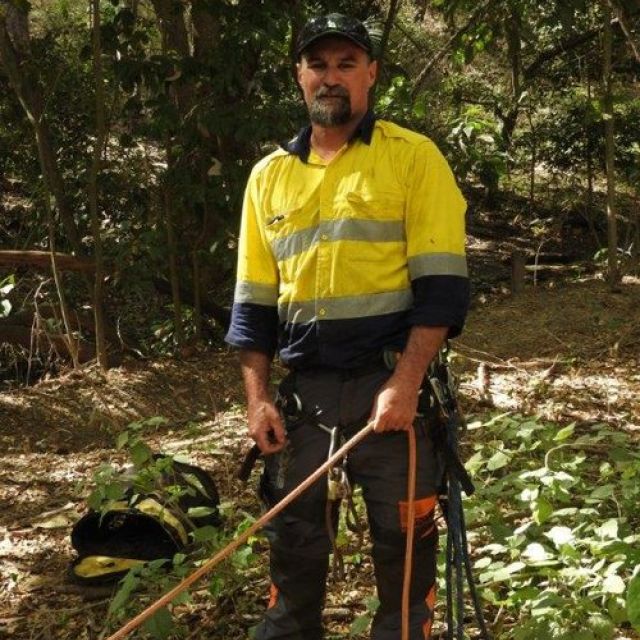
(378, 205)
(289, 231)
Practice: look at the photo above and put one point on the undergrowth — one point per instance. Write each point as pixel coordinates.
(554, 528)
(553, 532)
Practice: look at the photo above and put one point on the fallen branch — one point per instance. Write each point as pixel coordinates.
(42, 260)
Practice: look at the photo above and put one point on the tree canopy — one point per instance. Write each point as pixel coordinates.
(130, 137)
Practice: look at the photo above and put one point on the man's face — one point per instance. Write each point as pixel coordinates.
(335, 76)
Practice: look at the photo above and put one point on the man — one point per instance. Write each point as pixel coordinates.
(351, 245)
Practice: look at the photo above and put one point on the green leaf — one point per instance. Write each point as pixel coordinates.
(95, 500)
(482, 563)
(114, 491)
(156, 421)
(633, 602)
(618, 454)
(243, 557)
(127, 586)
(140, 453)
(602, 627)
(613, 584)
(122, 439)
(159, 625)
(193, 480)
(184, 597)
(200, 512)
(216, 586)
(204, 534)
(560, 535)
(603, 492)
(524, 594)
(565, 433)
(474, 463)
(497, 461)
(542, 510)
(617, 610)
(7, 288)
(536, 552)
(360, 625)
(372, 604)
(608, 529)
(502, 574)
(529, 494)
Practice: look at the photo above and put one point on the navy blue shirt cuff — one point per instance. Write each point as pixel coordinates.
(440, 301)
(254, 327)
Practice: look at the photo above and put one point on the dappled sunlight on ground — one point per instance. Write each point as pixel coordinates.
(567, 354)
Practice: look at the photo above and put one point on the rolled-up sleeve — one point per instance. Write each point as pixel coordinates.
(435, 233)
(254, 317)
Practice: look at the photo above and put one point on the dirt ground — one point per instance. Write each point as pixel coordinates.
(568, 352)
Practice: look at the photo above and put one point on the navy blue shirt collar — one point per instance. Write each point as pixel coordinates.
(300, 145)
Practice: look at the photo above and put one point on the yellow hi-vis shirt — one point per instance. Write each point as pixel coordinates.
(338, 260)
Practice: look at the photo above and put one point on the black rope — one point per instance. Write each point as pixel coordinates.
(458, 563)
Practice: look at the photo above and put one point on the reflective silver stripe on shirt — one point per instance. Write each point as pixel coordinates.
(343, 229)
(343, 308)
(256, 292)
(437, 264)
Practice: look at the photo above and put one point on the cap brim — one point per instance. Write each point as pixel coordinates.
(335, 33)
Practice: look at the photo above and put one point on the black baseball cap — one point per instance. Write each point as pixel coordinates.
(334, 24)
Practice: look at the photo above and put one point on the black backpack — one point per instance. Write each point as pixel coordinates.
(141, 527)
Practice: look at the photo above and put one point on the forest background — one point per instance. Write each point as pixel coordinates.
(127, 131)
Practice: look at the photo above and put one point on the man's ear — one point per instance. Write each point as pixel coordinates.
(373, 72)
(298, 71)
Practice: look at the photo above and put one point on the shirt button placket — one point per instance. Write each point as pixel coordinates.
(324, 247)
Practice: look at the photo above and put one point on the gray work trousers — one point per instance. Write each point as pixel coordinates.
(299, 542)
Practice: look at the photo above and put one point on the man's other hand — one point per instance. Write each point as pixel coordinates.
(395, 406)
(266, 426)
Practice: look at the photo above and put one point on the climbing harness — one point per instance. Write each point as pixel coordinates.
(455, 480)
(338, 486)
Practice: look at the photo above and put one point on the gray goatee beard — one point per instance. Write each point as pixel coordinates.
(330, 113)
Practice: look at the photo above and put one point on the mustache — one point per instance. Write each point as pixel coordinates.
(332, 92)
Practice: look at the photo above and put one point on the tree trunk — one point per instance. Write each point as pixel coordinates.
(590, 177)
(175, 38)
(618, 9)
(174, 275)
(613, 275)
(534, 159)
(101, 348)
(30, 98)
(70, 341)
(518, 271)
(513, 27)
(394, 5)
